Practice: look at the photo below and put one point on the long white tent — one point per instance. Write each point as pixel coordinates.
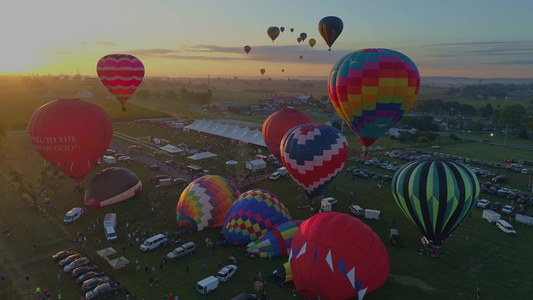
(234, 132)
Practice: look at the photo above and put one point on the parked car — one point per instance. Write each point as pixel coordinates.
(226, 272)
(93, 282)
(495, 206)
(104, 290)
(483, 203)
(62, 255)
(387, 177)
(77, 263)
(180, 181)
(507, 209)
(83, 269)
(69, 259)
(88, 276)
(155, 167)
(171, 163)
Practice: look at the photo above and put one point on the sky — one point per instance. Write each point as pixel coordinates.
(459, 38)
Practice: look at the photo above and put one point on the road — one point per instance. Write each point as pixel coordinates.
(499, 143)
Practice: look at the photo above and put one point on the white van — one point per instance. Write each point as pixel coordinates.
(110, 234)
(206, 285)
(357, 210)
(505, 227)
(372, 214)
(153, 242)
(72, 215)
(110, 220)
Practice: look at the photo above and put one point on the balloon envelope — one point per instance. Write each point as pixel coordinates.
(278, 123)
(205, 202)
(314, 154)
(253, 214)
(312, 42)
(292, 29)
(337, 256)
(111, 186)
(276, 242)
(303, 36)
(71, 135)
(282, 29)
(435, 195)
(330, 28)
(299, 39)
(247, 49)
(121, 74)
(262, 71)
(371, 89)
(273, 32)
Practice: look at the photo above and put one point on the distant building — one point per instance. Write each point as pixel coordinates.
(398, 129)
(85, 95)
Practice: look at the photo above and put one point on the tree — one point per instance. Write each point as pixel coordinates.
(513, 115)
(49, 179)
(477, 126)
(184, 93)
(143, 94)
(4, 128)
(170, 94)
(487, 112)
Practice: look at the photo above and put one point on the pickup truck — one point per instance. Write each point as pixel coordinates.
(187, 248)
(103, 290)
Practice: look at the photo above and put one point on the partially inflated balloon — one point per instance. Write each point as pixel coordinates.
(276, 242)
(435, 195)
(111, 186)
(205, 203)
(312, 42)
(337, 256)
(330, 28)
(314, 154)
(121, 74)
(252, 215)
(247, 49)
(278, 123)
(273, 32)
(71, 134)
(371, 90)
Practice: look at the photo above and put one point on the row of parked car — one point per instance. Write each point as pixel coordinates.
(92, 280)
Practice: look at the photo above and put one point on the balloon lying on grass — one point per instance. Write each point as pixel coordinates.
(111, 186)
(278, 123)
(314, 154)
(276, 242)
(71, 135)
(121, 74)
(371, 90)
(252, 215)
(284, 273)
(205, 202)
(435, 195)
(337, 256)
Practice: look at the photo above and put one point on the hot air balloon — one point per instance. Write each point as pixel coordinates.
(303, 36)
(121, 74)
(262, 71)
(282, 29)
(301, 57)
(435, 195)
(247, 49)
(71, 135)
(278, 123)
(276, 242)
(299, 39)
(371, 89)
(314, 154)
(292, 29)
(330, 28)
(273, 32)
(282, 70)
(253, 214)
(312, 42)
(111, 186)
(336, 256)
(205, 202)
(284, 272)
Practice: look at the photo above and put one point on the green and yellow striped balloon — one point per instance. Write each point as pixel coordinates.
(435, 195)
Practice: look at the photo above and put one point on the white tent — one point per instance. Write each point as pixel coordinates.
(202, 155)
(256, 165)
(171, 149)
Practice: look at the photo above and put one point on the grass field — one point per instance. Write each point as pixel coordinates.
(477, 253)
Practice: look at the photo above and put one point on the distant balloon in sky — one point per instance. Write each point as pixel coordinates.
(303, 35)
(282, 70)
(247, 49)
(121, 74)
(330, 28)
(301, 57)
(282, 29)
(71, 134)
(299, 39)
(312, 42)
(273, 32)
(292, 29)
(262, 71)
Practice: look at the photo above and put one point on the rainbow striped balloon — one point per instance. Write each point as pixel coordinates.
(276, 242)
(371, 89)
(121, 74)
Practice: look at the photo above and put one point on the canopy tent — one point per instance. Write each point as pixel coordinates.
(106, 252)
(118, 263)
(234, 132)
(231, 162)
(171, 149)
(202, 155)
